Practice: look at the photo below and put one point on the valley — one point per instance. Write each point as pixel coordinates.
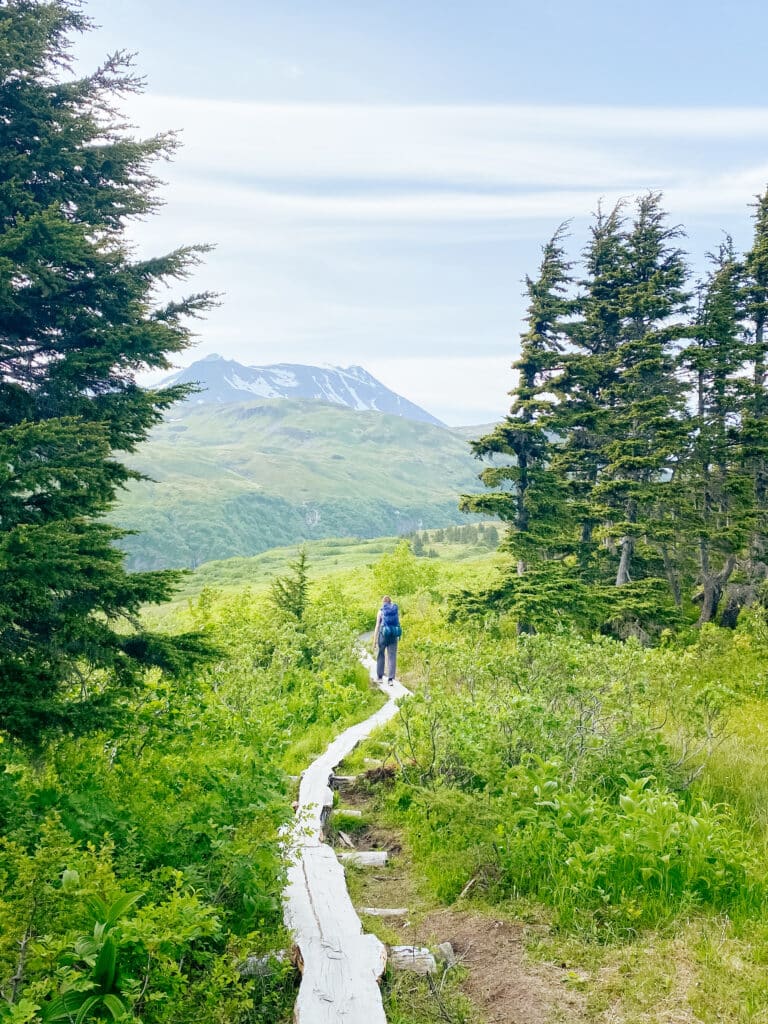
(236, 479)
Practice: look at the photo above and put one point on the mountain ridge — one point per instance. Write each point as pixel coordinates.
(226, 381)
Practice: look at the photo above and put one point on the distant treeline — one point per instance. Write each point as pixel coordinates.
(186, 535)
(482, 534)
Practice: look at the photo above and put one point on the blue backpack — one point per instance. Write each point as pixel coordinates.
(389, 629)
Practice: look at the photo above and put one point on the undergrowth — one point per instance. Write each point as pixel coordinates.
(610, 794)
(577, 772)
(140, 867)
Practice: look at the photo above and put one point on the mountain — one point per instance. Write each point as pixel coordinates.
(237, 479)
(225, 380)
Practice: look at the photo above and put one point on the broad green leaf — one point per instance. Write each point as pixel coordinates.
(63, 1007)
(120, 906)
(85, 1009)
(115, 1006)
(106, 966)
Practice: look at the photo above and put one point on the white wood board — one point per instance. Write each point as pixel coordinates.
(385, 911)
(365, 858)
(341, 965)
(412, 958)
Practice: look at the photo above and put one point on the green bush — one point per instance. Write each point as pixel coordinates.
(139, 866)
(401, 572)
(566, 770)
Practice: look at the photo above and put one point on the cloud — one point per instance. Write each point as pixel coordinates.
(348, 231)
(704, 194)
(245, 164)
(544, 146)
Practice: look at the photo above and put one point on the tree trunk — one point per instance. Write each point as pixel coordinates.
(713, 587)
(673, 577)
(710, 601)
(627, 548)
(737, 596)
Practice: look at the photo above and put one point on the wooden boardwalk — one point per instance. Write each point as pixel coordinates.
(341, 965)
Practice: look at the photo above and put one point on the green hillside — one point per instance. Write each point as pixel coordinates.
(235, 480)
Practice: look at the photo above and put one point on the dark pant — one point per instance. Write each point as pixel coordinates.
(390, 651)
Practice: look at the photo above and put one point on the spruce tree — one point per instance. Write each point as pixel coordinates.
(79, 316)
(714, 482)
(756, 340)
(290, 593)
(524, 491)
(582, 418)
(645, 401)
(651, 428)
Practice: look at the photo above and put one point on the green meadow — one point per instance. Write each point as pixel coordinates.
(237, 480)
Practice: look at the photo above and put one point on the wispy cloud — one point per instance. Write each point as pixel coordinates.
(699, 194)
(443, 164)
(348, 230)
(481, 145)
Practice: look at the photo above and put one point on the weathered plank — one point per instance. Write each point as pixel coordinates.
(385, 911)
(412, 958)
(365, 858)
(343, 781)
(340, 965)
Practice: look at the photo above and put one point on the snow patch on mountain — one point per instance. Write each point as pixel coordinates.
(224, 380)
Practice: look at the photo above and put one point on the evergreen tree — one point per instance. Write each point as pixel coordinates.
(417, 545)
(526, 494)
(582, 418)
(756, 340)
(78, 319)
(290, 593)
(645, 401)
(650, 427)
(714, 482)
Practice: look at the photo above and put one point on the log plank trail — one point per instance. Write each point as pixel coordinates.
(341, 966)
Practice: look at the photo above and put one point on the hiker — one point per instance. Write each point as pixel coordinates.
(385, 638)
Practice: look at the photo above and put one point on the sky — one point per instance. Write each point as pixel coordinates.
(378, 176)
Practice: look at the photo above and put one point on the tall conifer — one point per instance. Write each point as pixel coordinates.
(756, 339)
(645, 401)
(714, 480)
(525, 492)
(78, 317)
(582, 418)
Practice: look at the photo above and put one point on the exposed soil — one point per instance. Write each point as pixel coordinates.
(501, 980)
(374, 838)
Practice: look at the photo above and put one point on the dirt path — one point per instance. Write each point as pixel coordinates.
(502, 982)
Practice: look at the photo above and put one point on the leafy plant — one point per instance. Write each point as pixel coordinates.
(402, 572)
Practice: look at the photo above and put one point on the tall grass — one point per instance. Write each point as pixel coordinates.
(620, 786)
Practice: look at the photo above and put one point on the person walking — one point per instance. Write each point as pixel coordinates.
(385, 637)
